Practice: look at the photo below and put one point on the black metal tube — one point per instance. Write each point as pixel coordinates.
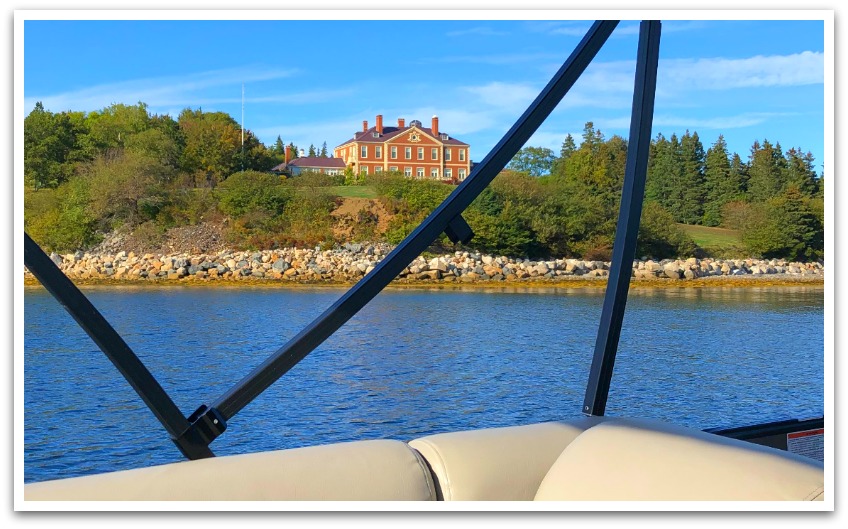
(112, 345)
(360, 294)
(627, 229)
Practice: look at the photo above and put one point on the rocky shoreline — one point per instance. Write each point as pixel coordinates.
(349, 263)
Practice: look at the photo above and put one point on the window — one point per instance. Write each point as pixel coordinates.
(363, 151)
(394, 153)
(420, 172)
(393, 168)
(448, 173)
(420, 153)
(407, 152)
(447, 155)
(434, 153)
(462, 155)
(378, 169)
(363, 169)
(434, 172)
(407, 171)
(462, 174)
(351, 152)
(378, 151)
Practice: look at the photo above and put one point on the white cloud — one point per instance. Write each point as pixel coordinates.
(747, 119)
(158, 92)
(804, 68)
(505, 95)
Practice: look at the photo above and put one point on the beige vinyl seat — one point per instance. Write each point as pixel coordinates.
(592, 458)
(630, 459)
(362, 470)
(496, 464)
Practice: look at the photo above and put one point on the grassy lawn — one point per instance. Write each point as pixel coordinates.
(718, 242)
(353, 191)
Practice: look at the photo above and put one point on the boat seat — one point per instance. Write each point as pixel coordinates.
(636, 459)
(496, 464)
(361, 470)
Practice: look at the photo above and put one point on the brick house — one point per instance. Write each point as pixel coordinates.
(413, 150)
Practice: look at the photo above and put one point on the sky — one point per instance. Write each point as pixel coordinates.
(315, 81)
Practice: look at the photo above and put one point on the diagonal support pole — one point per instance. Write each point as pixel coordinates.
(627, 229)
(116, 350)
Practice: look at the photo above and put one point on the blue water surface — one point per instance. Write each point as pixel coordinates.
(411, 363)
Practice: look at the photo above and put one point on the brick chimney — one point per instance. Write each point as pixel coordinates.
(288, 153)
(364, 125)
(379, 124)
(401, 123)
(435, 126)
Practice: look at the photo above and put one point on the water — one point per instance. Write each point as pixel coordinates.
(413, 362)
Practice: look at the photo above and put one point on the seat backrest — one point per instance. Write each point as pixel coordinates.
(496, 464)
(363, 470)
(628, 459)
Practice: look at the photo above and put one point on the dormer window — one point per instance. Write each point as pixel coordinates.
(375, 134)
(444, 136)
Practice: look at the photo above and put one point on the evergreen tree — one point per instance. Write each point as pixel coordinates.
(665, 175)
(739, 171)
(293, 152)
(721, 183)
(799, 172)
(691, 190)
(765, 171)
(312, 150)
(568, 147)
(323, 153)
(279, 148)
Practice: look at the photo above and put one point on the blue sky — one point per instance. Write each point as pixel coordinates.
(311, 81)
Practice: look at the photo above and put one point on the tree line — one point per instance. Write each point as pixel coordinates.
(774, 198)
(88, 173)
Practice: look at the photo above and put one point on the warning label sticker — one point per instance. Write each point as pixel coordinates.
(809, 443)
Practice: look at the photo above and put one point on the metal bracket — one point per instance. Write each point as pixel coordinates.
(458, 230)
(206, 425)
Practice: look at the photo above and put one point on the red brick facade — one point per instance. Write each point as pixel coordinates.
(414, 150)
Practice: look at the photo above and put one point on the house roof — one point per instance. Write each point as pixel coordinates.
(318, 161)
(392, 132)
(310, 162)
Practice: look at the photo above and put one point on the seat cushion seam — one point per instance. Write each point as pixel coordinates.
(428, 478)
(446, 490)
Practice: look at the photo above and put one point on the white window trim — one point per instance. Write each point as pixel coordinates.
(363, 169)
(447, 154)
(378, 151)
(434, 172)
(407, 171)
(407, 152)
(462, 155)
(378, 169)
(434, 153)
(448, 172)
(393, 168)
(419, 172)
(393, 152)
(420, 153)
(363, 151)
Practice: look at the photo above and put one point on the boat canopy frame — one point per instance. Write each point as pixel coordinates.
(193, 434)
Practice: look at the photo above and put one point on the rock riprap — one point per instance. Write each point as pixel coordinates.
(350, 262)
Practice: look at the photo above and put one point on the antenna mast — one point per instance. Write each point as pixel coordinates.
(242, 127)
